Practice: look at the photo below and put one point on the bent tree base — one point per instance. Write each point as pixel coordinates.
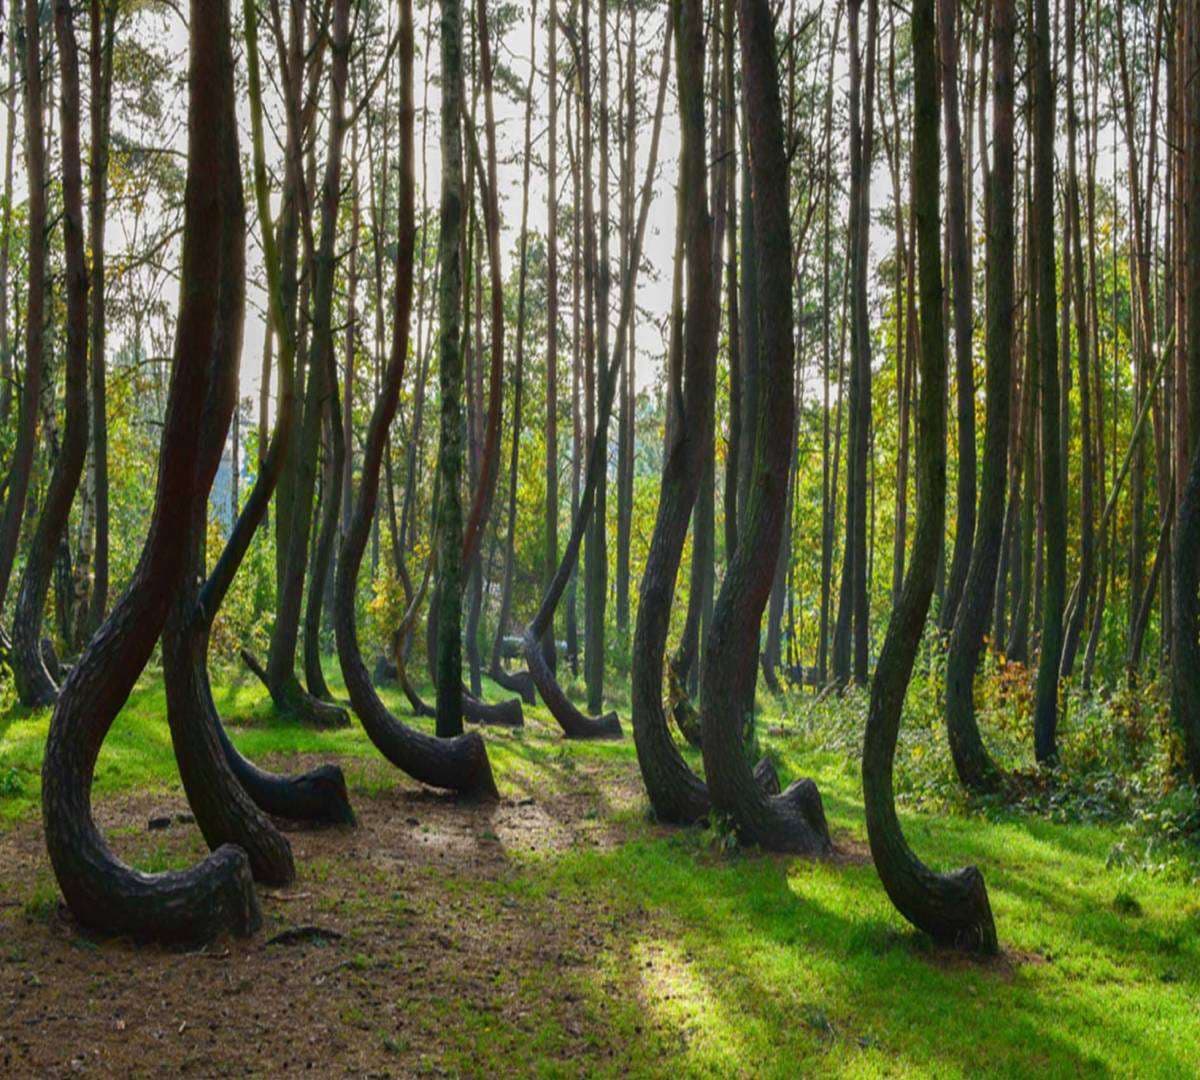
(574, 723)
(293, 700)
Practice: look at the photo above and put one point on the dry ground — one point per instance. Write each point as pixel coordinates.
(415, 931)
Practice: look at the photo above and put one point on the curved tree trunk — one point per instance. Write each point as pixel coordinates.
(35, 686)
(676, 793)
(102, 892)
(318, 796)
(794, 820)
(518, 682)
(35, 306)
(952, 908)
(280, 673)
(461, 763)
(574, 723)
(327, 535)
(974, 765)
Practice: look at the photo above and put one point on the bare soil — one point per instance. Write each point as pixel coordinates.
(403, 946)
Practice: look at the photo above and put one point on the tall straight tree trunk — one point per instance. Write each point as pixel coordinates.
(550, 549)
(625, 419)
(597, 537)
(449, 514)
(21, 466)
(7, 371)
(1087, 527)
(971, 760)
(958, 227)
(102, 19)
(1185, 671)
(35, 685)
(952, 908)
(1046, 716)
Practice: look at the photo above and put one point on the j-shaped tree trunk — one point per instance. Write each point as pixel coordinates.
(575, 724)
(21, 466)
(327, 536)
(676, 793)
(1045, 724)
(35, 686)
(518, 682)
(318, 796)
(460, 763)
(974, 765)
(951, 908)
(103, 893)
(795, 819)
(280, 672)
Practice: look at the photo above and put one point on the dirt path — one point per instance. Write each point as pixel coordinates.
(404, 947)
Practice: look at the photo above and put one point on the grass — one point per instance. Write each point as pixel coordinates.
(749, 964)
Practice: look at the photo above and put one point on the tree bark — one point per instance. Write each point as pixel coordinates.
(573, 722)
(974, 765)
(794, 820)
(460, 763)
(951, 908)
(958, 229)
(21, 467)
(102, 892)
(35, 686)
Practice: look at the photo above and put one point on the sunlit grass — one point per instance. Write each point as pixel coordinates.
(743, 964)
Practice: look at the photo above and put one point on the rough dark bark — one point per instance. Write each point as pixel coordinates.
(448, 603)
(974, 766)
(103, 893)
(951, 908)
(794, 820)
(676, 793)
(35, 687)
(1046, 716)
(1185, 669)
(461, 763)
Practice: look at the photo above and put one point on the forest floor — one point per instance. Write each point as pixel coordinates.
(562, 933)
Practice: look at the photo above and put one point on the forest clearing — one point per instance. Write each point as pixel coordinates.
(560, 931)
(600, 537)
